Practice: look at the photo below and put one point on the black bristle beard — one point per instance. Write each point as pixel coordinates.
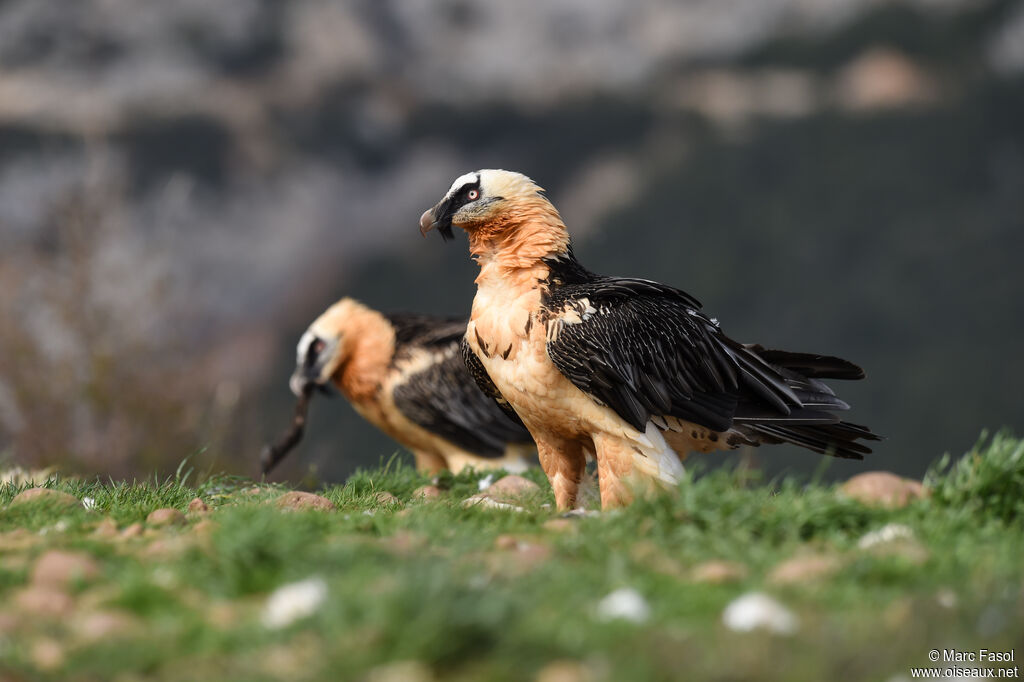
(446, 232)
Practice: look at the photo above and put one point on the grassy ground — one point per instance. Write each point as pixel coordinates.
(431, 590)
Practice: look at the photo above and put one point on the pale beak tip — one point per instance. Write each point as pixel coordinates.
(426, 222)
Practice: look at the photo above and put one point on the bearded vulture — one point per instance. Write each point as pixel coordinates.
(405, 375)
(627, 370)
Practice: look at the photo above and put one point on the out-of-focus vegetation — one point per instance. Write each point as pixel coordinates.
(184, 187)
(425, 590)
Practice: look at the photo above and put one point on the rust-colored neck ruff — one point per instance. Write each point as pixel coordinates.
(369, 346)
(519, 238)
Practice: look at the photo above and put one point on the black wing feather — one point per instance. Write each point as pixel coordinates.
(645, 349)
(444, 397)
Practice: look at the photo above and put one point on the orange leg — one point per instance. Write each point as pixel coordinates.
(564, 465)
(614, 466)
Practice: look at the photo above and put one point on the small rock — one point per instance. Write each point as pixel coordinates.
(204, 528)
(887, 533)
(560, 526)
(103, 625)
(717, 572)
(165, 517)
(426, 492)
(564, 671)
(506, 542)
(401, 671)
(386, 499)
(299, 500)
(47, 496)
(512, 486)
(624, 604)
(293, 602)
(106, 528)
(489, 503)
(197, 506)
(44, 601)
(47, 654)
(8, 623)
(58, 569)
(803, 568)
(755, 611)
(133, 531)
(883, 489)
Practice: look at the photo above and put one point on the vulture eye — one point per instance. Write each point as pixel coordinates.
(318, 346)
(473, 194)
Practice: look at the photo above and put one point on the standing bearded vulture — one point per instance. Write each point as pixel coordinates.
(626, 369)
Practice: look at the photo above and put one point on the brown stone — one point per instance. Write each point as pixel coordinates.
(511, 486)
(564, 671)
(47, 496)
(299, 500)
(104, 625)
(132, 531)
(165, 517)
(386, 499)
(426, 492)
(47, 654)
(58, 569)
(716, 572)
(43, 601)
(803, 568)
(106, 528)
(883, 489)
(197, 506)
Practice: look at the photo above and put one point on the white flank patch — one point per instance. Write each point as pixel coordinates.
(887, 533)
(624, 604)
(755, 610)
(293, 602)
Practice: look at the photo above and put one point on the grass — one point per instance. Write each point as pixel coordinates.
(471, 593)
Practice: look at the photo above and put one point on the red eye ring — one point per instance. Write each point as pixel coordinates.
(473, 194)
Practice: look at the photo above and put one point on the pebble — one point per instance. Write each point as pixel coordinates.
(717, 572)
(488, 502)
(564, 671)
(165, 517)
(624, 604)
(48, 496)
(197, 506)
(512, 486)
(883, 489)
(803, 568)
(426, 492)
(300, 500)
(386, 499)
(45, 601)
(103, 625)
(47, 654)
(293, 602)
(133, 531)
(58, 569)
(758, 611)
(106, 528)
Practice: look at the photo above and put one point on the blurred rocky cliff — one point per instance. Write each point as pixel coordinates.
(185, 185)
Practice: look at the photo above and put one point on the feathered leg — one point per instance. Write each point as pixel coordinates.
(564, 465)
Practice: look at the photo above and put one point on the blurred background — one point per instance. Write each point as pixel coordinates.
(184, 186)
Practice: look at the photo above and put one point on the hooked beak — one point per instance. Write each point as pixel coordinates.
(427, 222)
